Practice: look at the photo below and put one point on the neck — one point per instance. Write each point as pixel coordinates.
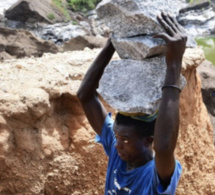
(141, 162)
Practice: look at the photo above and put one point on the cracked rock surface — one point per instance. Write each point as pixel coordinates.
(127, 86)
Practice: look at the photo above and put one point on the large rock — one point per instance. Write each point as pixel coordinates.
(21, 43)
(207, 73)
(138, 48)
(141, 47)
(132, 86)
(134, 22)
(35, 11)
(134, 17)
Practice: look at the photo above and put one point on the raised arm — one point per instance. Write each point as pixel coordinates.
(167, 125)
(93, 108)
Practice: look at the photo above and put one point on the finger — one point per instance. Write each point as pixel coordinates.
(168, 20)
(163, 36)
(177, 25)
(181, 30)
(166, 27)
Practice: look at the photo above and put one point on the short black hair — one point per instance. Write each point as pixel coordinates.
(143, 129)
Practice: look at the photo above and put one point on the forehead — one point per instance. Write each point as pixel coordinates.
(123, 130)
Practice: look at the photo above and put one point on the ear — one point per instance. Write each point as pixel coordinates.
(148, 141)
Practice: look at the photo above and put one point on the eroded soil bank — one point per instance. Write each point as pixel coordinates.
(47, 145)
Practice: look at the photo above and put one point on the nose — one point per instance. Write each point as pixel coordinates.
(118, 145)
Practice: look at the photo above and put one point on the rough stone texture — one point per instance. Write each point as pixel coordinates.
(141, 47)
(133, 23)
(138, 48)
(136, 17)
(134, 87)
(98, 26)
(52, 151)
(207, 73)
(21, 43)
(34, 11)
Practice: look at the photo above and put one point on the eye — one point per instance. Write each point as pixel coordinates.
(125, 141)
(122, 139)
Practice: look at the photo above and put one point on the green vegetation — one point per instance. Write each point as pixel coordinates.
(62, 7)
(74, 5)
(82, 5)
(51, 16)
(74, 22)
(208, 45)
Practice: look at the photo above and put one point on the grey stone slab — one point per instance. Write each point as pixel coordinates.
(141, 47)
(138, 48)
(134, 87)
(135, 17)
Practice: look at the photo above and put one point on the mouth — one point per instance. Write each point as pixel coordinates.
(122, 156)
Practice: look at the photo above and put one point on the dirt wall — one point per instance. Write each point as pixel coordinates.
(47, 146)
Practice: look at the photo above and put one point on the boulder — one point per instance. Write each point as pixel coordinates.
(207, 73)
(141, 47)
(35, 11)
(21, 43)
(138, 48)
(80, 42)
(134, 23)
(134, 17)
(132, 86)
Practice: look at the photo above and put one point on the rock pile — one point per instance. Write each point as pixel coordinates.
(133, 85)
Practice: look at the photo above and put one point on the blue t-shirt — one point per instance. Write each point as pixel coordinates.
(140, 181)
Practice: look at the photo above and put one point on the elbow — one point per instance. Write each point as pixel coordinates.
(84, 96)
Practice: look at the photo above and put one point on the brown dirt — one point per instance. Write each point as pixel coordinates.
(21, 43)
